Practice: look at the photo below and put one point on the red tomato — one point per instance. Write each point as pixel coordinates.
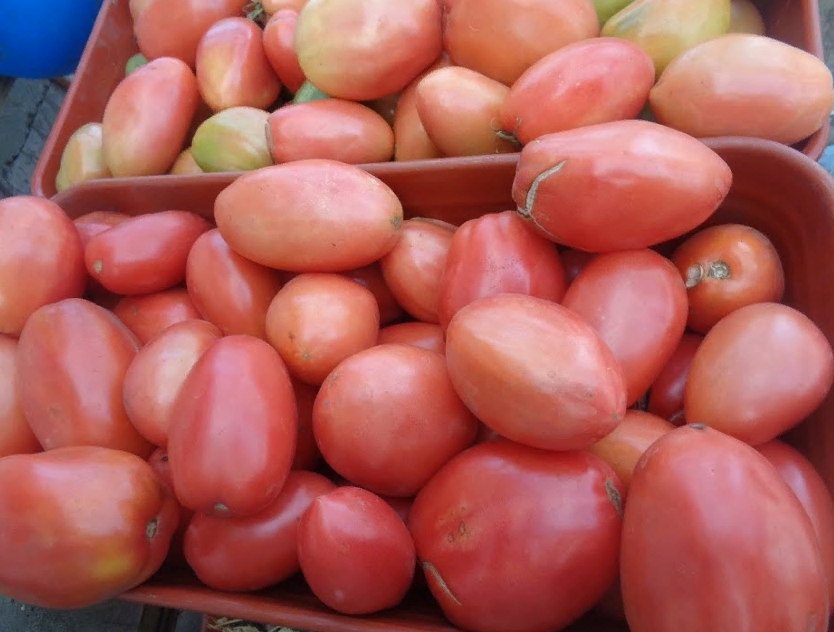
(812, 492)
(498, 253)
(496, 557)
(394, 402)
(157, 373)
(681, 179)
(41, 259)
(367, 49)
(666, 394)
(355, 552)
(91, 224)
(371, 277)
(245, 554)
(162, 468)
(80, 525)
(219, 465)
(318, 320)
(148, 116)
(71, 362)
(149, 315)
(710, 530)
(413, 268)
(526, 29)
(227, 289)
(232, 67)
(410, 139)
(755, 391)
(16, 437)
(421, 335)
(144, 254)
(278, 37)
(174, 30)
(307, 453)
(636, 301)
(726, 267)
(574, 261)
(523, 365)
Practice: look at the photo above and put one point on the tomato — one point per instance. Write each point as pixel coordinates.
(397, 403)
(41, 259)
(232, 140)
(401, 505)
(309, 216)
(71, 361)
(522, 365)
(329, 128)
(16, 437)
(366, 49)
(147, 118)
(166, 30)
(588, 82)
(460, 109)
(711, 90)
(82, 158)
(667, 391)
(745, 18)
(232, 67)
(812, 492)
(81, 525)
(371, 277)
(318, 320)
(91, 224)
(279, 47)
(219, 465)
(272, 7)
(307, 453)
(682, 180)
(756, 391)
(185, 165)
(422, 335)
(726, 267)
(355, 552)
(502, 38)
(149, 315)
(498, 253)
(498, 558)
(162, 468)
(636, 301)
(157, 373)
(574, 261)
(144, 254)
(712, 531)
(136, 8)
(254, 552)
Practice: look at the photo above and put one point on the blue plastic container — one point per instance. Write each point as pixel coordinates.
(43, 41)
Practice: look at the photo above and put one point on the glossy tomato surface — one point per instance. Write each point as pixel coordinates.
(418, 334)
(410, 139)
(278, 36)
(149, 315)
(16, 437)
(667, 392)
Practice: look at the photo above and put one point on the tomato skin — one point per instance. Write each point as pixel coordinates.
(636, 301)
(521, 365)
(679, 177)
(667, 393)
(745, 18)
(494, 254)
(144, 254)
(162, 468)
(398, 41)
(90, 225)
(793, 373)
(220, 467)
(307, 453)
(318, 320)
(41, 259)
(480, 527)
(147, 118)
(726, 267)
(254, 552)
(356, 553)
(395, 402)
(278, 36)
(232, 68)
(422, 335)
(574, 261)
(704, 501)
(588, 82)
(71, 360)
(157, 373)
(82, 158)
(16, 437)
(273, 7)
(370, 276)
(81, 525)
(812, 492)
(149, 315)
(410, 139)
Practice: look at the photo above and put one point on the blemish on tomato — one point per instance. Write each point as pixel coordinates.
(98, 266)
(614, 496)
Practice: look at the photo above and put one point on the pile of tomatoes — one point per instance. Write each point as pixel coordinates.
(532, 414)
(366, 81)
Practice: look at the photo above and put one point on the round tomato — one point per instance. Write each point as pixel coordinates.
(149, 315)
(371, 277)
(16, 437)
(667, 392)
(279, 47)
(355, 552)
(496, 557)
(417, 334)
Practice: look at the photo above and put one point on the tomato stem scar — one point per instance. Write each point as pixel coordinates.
(98, 266)
(718, 270)
(694, 275)
(429, 568)
(527, 211)
(614, 496)
(151, 528)
(220, 508)
(698, 426)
